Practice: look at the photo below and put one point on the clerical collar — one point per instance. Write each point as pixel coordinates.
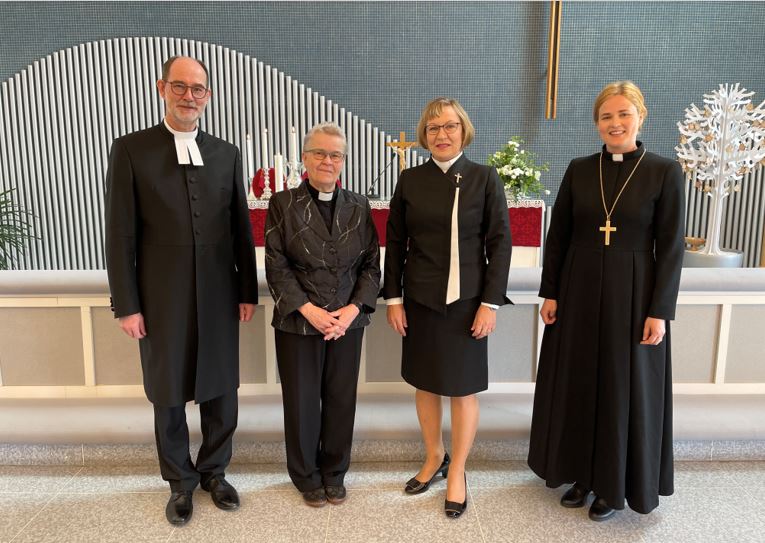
(448, 164)
(621, 157)
(186, 146)
(318, 195)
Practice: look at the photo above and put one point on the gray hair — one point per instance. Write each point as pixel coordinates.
(331, 129)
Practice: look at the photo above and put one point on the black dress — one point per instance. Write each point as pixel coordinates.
(439, 354)
(603, 403)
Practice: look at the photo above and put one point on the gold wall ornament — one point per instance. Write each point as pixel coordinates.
(553, 59)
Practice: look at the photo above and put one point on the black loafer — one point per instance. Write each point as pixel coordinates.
(576, 496)
(315, 498)
(223, 495)
(414, 486)
(600, 511)
(179, 508)
(335, 494)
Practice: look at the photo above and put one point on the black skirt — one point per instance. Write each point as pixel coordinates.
(439, 354)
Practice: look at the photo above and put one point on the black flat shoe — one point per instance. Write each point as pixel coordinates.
(335, 494)
(576, 496)
(413, 486)
(179, 508)
(455, 509)
(600, 511)
(223, 495)
(315, 498)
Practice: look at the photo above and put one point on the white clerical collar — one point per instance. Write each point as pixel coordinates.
(186, 146)
(617, 157)
(326, 196)
(448, 164)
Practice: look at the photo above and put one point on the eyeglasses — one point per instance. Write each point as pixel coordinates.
(321, 154)
(449, 128)
(179, 89)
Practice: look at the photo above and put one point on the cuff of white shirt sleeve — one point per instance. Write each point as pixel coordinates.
(394, 301)
(493, 307)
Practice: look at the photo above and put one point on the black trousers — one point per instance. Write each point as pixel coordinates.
(218, 420)
(318, 381)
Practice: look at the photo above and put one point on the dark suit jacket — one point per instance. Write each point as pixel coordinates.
(305, 262)
(419, 235)
(179, 250)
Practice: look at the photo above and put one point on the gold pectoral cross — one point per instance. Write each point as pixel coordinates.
(607, 229)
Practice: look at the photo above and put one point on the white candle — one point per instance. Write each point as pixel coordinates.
(250, 158)
(264, 150)
(293, 146)
(278, 173)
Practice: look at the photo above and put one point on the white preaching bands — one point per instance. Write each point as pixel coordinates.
(453, 283)
(186, 146)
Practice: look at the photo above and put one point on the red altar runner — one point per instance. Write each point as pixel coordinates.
(525, 217)
(525, 223)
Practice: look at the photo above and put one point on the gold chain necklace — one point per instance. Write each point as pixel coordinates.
(607, 229)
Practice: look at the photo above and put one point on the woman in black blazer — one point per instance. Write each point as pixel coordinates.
(323, 270)
(446, 267)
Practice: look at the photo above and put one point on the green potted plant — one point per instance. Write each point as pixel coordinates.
(15, 229)
(519, 171)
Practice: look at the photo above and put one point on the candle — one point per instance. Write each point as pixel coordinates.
(250, 158)
(264, 150)
(278, 173)
(293, 146)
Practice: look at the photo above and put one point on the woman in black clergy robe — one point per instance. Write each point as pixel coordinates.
(446, 265)
(603, 404)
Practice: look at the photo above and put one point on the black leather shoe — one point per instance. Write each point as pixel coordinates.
(335, 494)
(413, 486)
(576, 496)
(599, 510)
(223, 495)
(179, 508)
(315, 498)
(455, 509)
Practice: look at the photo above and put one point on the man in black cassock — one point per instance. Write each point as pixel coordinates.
(182, 274)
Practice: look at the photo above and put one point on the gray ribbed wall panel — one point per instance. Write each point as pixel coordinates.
(59, 116)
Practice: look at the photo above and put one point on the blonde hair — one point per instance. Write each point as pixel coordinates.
(330, 129)
(433, 109)
(621, 88)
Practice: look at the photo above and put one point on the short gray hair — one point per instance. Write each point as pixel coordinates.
(331, 129)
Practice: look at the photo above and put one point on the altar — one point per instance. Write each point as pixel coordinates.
(526, 226)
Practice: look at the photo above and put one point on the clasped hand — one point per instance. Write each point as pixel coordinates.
(333, 324)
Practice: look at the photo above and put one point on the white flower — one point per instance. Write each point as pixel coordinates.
(537, 174)
(547, 192)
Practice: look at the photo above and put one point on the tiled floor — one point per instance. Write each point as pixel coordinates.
(713, 501)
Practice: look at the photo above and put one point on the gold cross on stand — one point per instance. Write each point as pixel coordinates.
(399, 147)
(608, 229)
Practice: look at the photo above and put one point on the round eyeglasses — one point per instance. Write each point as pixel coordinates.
(449, 128)
(321, 154)
(179, 89)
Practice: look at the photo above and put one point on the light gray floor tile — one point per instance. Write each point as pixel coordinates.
(703, 514)
(390, 515)
(383, 475)
(704, 474)
(102, 518)
(32, 479)
(266, 516)
(692, 450)
(522, 514)
(16, 510)
(125, 454)
(746, 473)
(116, 479)
(486, 474)
(12, 454)
(253, 477)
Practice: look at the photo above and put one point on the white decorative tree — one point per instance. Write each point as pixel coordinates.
(721, 143)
